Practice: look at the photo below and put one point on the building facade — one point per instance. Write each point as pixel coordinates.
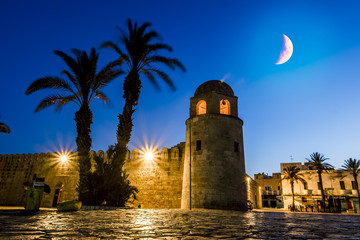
(271, 190)
(339, 188)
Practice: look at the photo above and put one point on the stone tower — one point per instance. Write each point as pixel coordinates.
(214, 152)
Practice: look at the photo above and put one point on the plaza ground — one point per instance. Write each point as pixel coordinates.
(176, 224)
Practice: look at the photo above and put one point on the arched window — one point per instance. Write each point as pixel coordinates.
(224, 107)
(201, 107)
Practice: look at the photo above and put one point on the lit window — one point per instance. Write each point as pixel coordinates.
(201, 107)
(224, 107)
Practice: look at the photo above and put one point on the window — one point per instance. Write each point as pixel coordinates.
(353, 184)
(267, 188)
(319, 186)
(236, 147)
(201, 107)
(305, 185)
(278, 188)
(342, 185)
(198, 145)
(224, 107)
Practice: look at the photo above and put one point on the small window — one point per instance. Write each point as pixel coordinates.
(342, 185)
(198, 145)
(201, 107)
(319, 186)
(353, 184)
(267, 188)
(278, 188)
(224, 107)
(305, 185)
(236, 147)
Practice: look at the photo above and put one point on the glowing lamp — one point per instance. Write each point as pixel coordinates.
(149, 156)
(63, 158)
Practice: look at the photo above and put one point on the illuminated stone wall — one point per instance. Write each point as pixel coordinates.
(16, 170)
(159, 182)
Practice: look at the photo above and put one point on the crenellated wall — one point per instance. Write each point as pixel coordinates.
(159, 181)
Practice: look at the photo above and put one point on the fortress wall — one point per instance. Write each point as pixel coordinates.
(17, 170)
(159, 181)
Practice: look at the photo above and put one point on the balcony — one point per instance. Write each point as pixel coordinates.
(271, 193)
(345, 192)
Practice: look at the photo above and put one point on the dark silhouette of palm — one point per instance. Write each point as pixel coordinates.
(353, 166)
(317, 162)
(4, 128)
(141, 57)
(84, 85)
(291, 173)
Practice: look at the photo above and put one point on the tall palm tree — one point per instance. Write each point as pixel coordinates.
(84, 84)
(292, 174)
(353, 166)
(141, 56)
(317, 161)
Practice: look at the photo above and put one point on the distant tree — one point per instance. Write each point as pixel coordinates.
(317, 161)
(109, 181)
(4, 128)
(84, 84)
(291, 173)
(141, 57)
(353, 166)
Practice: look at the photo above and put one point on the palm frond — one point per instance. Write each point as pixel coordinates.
(49, 101)
(170, 62)
(158, 46)
(71, 62)
(4, 128)
(102, 96)
(165, 77)
(151, 77)
(64, 101)
(114, 47)
(48, 82)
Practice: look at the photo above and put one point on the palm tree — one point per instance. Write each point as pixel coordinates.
(353, 166)
(317, 161)
(141, 57)
(84, 85)
(292, 174)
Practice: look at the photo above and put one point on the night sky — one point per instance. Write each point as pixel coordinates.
(310, 103)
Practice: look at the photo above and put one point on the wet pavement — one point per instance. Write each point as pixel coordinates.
(177, 224)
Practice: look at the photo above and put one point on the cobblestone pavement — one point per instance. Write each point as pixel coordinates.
(177, 224)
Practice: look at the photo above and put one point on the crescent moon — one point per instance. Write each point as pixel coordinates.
(286, 52)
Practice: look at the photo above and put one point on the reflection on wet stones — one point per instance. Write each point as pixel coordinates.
(177, 224)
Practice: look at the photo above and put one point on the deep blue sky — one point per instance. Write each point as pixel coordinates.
(311, 103)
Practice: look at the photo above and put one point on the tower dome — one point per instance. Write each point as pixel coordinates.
(217, 86)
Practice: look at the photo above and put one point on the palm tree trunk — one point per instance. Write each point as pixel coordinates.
(132, 86)
(293, 196)
(321, 188)
(83, 119)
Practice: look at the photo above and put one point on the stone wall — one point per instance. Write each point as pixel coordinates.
(17, 170)
(159, 182)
